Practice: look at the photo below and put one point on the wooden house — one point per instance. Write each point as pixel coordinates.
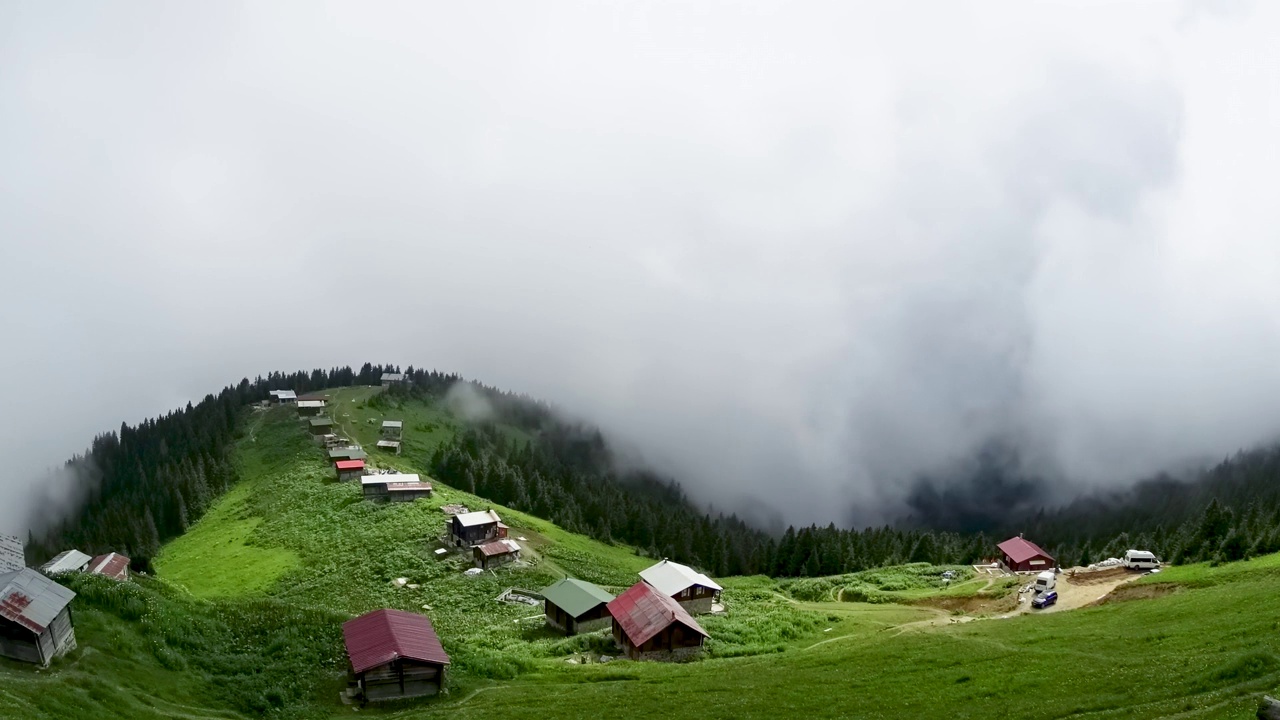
(391, 446)
(112, 565)
(496, 553)
(319, 428)
(394, 654)
(12, 554)
(649, 625)
(695, 592)
(476, 528)
(283, 397)
(389, 379)
(310, 408)
(35, 617)
(394, 487)
(1022, 555)
(573, 606)
(347, 453)
(66, 561)
(392, 429)
(349, 469)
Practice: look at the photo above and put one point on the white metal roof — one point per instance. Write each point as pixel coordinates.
(392, 377)
(389, 478)
(392, 423)
(670, 578)
(286, 394)
(310, 403)
(482, 517)
(389, 443)
(66, 561)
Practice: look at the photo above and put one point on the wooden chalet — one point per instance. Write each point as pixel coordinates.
(573, 606)
(1021, 555)
(389, 379)
(695, 592)
(112, 565)
(349, 469)
(35, 617)
(476, 528)
(394, 654)
(347, 453)
(391, 446)
(649, 625)
(283, 397)
(66, 561)
(392, 429)
(319, 427)
(310, 408)
(394, 487)
(12, 554)
(496, 553)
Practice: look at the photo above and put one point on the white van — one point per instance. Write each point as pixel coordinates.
(1140, 560)
(1046, 581)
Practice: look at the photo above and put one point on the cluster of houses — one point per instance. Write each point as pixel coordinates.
(396, 654)
(36, 624)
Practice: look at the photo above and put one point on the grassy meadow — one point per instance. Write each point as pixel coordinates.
(243, 617)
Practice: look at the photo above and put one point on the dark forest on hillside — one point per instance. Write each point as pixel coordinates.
(145, 484)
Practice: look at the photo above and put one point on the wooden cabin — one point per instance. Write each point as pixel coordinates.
(347, 453)
(310, 408)
(573, 606)
(394, 655)
(283, 397)
(66, 561)
(496, 553)
(389, 379)
(392, 429)
(394, 487)
(349, 469)
(35, 617)
(112, 565)
(319, 427)
(476, 528)
(391, 446)
(695, 592)
(1022, 555)
(12, 554)
(649, 625)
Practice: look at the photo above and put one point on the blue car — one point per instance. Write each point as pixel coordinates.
(1045, 600)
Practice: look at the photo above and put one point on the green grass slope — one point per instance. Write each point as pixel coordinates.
(243, 620)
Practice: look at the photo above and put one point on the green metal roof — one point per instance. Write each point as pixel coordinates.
(575, 596)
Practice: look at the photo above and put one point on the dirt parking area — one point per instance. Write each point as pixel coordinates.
(1078, 587)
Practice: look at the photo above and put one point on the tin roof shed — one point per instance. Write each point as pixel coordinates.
(31, 599)
(66, 561)
(393, 424)
(482, 517)
(499, 547)
(386, 635)
(112, 565)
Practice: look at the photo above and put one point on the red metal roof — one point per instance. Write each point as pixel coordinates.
(350, 464)
(112, 565)
(498, 547)
(1020, 550)
(385, 635)
(644, 612)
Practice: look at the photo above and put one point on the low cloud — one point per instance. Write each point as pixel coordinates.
(799, 257)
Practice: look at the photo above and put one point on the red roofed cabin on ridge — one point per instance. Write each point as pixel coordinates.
(1020, 555)
(648, 625)
(394, 654)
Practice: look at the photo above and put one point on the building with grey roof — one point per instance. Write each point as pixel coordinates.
(66, 561)
(35, 617)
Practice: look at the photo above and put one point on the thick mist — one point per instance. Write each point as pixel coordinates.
(797, 255)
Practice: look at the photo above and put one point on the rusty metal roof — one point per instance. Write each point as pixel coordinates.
(498, 547)
(386, 635)
(31, 599)
(112, 565)
(643, 612)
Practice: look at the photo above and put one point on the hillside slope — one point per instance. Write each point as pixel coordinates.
(242, 619)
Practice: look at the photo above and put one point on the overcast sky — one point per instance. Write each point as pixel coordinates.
(795, 253)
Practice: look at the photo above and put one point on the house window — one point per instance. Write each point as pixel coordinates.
(684, 593)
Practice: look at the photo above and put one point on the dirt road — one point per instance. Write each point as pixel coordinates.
(1085, 588)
